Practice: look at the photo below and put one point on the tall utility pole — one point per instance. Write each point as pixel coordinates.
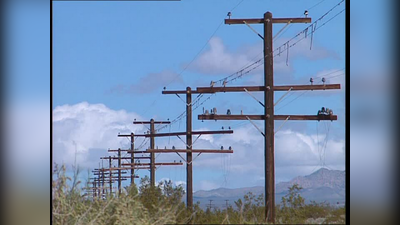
(132, 136)
(132, 157)
(269, 120)
(109, 166)
(102, 180)
(152, 157)
(268, 88)
(151, 134)
(210, 205)
(119, 173)
(189, 143)
(189, 168)
(152, 146)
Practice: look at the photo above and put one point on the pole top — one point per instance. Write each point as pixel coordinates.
(152, 120)
(268, 14)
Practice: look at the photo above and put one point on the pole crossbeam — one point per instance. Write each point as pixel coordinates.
(125, 176)
(205, 90)
(189, 151)
(188, 133)
(263, 117)
(128, 135)
(156, 164)
(123, 168)
(97, 173)
(178, 92)
(148, 122)
(141, 157)
(261, 20)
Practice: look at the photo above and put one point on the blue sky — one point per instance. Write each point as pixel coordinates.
(112, 59)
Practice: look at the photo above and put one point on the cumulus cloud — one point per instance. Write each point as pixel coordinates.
(93, 127)
(302, 50)
(219, 60)
(295, 152)
(148, 83)
(86, 130)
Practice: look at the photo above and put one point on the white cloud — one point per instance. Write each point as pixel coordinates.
(93, 127)
(219, 60)
(294, 150)
(206, 185)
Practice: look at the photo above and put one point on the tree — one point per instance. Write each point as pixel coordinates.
(292, 210)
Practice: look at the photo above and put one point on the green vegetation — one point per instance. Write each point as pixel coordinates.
(162, 205)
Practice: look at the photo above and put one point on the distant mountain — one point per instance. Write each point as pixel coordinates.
(321, 178)
(322, 185)
(227, 192)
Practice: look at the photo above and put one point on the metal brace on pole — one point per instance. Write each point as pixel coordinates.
(181, 157)
(253, 30)
(254, 97)
(255, 126)
(283, 96)
(189, 146)
(183, 100)
(195, 157)
(282, 124)
(276, 35)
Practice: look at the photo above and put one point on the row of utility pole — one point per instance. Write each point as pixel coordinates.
(268, 88)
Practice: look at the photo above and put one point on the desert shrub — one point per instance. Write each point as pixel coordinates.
(162, 204)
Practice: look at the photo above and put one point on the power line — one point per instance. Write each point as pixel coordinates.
(237, 5)
(260, 62)
(202, 48)
(323, 75)
(302, 95)
(198, 53)
(300, 15)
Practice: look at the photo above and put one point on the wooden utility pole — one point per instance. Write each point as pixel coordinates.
(152, 146)
(132, 157)
(109, 166)
(102, 181)
(189, 168)
(152, 136)
(95, 188)
(152, 157)
(268, 90)
(130, 151)
(119, 173)
(269, 120)
(189, 143)
(227, 205)
(210, 205)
